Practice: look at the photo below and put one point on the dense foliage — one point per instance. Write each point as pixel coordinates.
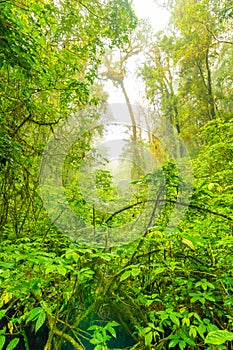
(172, 287)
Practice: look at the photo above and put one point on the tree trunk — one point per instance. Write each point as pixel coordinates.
(131, 113)
(210, 90)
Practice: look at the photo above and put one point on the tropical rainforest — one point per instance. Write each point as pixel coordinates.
(130, 250)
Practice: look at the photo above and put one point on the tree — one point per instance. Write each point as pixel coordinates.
(115, 68)
(115, 64)
(182, 65)
(159, 73)
(50, 54)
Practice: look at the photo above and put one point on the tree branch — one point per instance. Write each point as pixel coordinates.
(168, 201)
(212, 34)
(35, 122)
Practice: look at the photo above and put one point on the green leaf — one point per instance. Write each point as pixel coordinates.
(34, 313)
(186, 321)
(182, 344)
(193, 332)
(195, 298)
(175, 319)
(25, 338)
(112, 331)
(13, 343)
(125, 275)
(98, 347)
(173, 343)
(212, 328)
(159, 270)
(61, 270)
(163, 315)
(2, 314)
(36, 290)
(135, 272)
(218, 337)
(113, 324)
(40, 321)
(209, 297)
(95, 341)
(2, 341)
(50, 268)
(93, 328)
(201, 330)
(210, 285)
(148, 338)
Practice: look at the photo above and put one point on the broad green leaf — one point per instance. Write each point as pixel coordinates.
(201, 330)
(173, 343)
(203, 284)
(72, 255)
(218, 337)
(2, 341)
(159, 270)
(135, 272)
(125, 275)
(50, 268)
(2, 313)
(182, 344)
(113, 324)
(36, 290)
(148, 338)
(34, 313)
(163, 315)
(25, 338)
(186, 321)
(40, 321)
(210, 285)
(193, 331)
(212, 328)
(209, 297)
(112, 331)
(98, 347)
(95, 341)
(61, 270)
(13, 343)
(175, 319)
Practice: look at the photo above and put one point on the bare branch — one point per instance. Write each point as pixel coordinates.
(172, 202)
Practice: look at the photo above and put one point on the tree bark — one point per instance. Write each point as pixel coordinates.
(211, 103)
(131, 113)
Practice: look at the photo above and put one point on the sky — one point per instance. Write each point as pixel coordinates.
(148, 8)
(158, 18)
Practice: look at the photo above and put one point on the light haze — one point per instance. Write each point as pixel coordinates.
(158, 17)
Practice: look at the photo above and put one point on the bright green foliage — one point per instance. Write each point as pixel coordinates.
(49, 58)
(218, 337)
(186, 73)
(170, 288)
(101, 334)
